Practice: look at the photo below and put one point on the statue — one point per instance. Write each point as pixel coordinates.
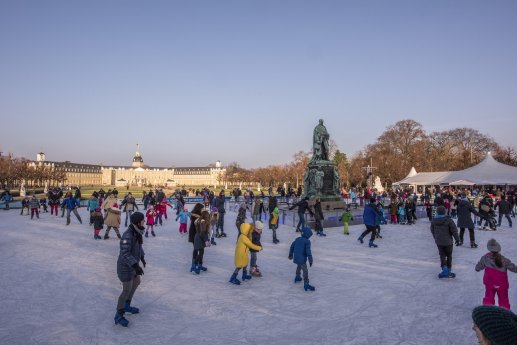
(319, 180)
(336, 180)
(46, 187)
(320, 143)
(23, 192)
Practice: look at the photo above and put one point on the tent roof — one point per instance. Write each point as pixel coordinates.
(487, 172)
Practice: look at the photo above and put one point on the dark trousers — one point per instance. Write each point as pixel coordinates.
(471, 235)
(301, 221)
(33, 211)
(220, 222)
(197, 255)
(128, 290)
(372, 229)
(303, 268)
(507, 217)
(445, 256)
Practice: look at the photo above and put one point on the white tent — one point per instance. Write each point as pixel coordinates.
(421, 179)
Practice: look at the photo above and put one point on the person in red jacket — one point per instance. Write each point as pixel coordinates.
(496, 276)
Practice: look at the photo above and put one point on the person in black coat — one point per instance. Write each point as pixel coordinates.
(195, 214)
(219, 204)
(303, 206)
(504, 210)
(272, 204)
(318, 217)
(465, 220)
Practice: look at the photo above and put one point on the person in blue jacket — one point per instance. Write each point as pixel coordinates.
(71, 204)
(299, 252)
(370, 216)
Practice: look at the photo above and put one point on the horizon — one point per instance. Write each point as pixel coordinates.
(194, 83)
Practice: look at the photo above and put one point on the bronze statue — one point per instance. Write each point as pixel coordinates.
(320, 143)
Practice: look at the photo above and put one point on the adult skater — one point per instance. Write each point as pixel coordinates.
(370, 216)
(219, 204)
(71, 204)
(128, 206)
(303, 206)
(465, 219)
(195, 214)
(128, 268)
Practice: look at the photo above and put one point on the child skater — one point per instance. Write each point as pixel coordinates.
(346, 217)
(201, 241)
(98, 222)
(255, 239)
(496, 276)
(34, 205)
(444, 230)
(183, 217)
(213, 225)
(274, 224)
(299, 252)
(241, 253)
(149, 215)
(43, 203)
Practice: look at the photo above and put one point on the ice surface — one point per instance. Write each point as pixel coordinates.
(59, 286)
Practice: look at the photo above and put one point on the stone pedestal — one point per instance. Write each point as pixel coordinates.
(322, 181)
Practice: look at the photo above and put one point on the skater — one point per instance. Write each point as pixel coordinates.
(486, 212)
(70, 204)
(7, 198)
(34, 205)
(241, 218)
(504, 210)
(219, 203)
(346, 217)
(443, 230)
(194, 215)
(129, 204)
(26, 205)
(214, 215)
(241, 254)
(318, 217)
(43, 203)
(128, 268)
(496, 276)
(108, 203)
(393, 211)
(303, 206)
(149, 215)
(255, 239)
(98, 223)
(112, 221)
(183, 217)
(92, 205)
(464, 210)
(272, 203)
(370, 216)
(402, 213)
(273, 224)
(300, 252)
(256, 206)
(494, 325)
(159, 209)
(201, 241)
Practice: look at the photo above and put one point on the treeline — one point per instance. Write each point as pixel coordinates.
(15, 170)
(401, 146)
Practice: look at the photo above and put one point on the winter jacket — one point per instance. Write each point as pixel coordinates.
(300, 249)
(70, 203)
(438, 201)
(149, 215)
(93, 203)
(160, 196)
(486, 205)
(273, 203)
(243, 245)
(256, 207)
(192, 229)
(318, 213)
(131, 252)
(255, 239)
(201, 235)
(394, 208)
(504, 207)
(109, 202)
(495, 276)
(129, 204)
(302, 205)
(113, 218)
(464, 217)
(370, 215)
(346, 217)
(183, 217)
(241, 216)
(97, 220)
(219, 203)
(34, 203)
(274, 217)
(443, 229)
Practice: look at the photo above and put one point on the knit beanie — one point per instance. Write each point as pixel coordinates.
(493, 246)
(497, 324)
(441, 210)
(136, 218)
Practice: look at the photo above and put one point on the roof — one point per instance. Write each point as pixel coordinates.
(425, 178)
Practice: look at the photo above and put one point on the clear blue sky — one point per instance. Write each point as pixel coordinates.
(246, 81)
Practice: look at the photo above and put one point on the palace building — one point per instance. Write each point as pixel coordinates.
(136, 174)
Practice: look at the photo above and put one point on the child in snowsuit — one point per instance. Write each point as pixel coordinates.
(299, 252)
(34, 205)
(201, 241)
(273, 224)
(43, 203)
(496, 276)
(346, 217)
(25, 205)
(149, 215)
(183, 217)
(402, 214)
(98, 222)
(255, 239)
(444, 230)
(241, 254)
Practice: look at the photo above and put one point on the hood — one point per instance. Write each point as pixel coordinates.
(306, 232)
(245, 229)
(440, 219)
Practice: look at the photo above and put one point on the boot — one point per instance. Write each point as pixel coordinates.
(146, 234)
(473, 245)
(197, 269)
(152, 233)
(223, 234)
(119, 237)
(360, 239)
(193, 266)
(297, 279)
(212, 241)
(460, 243)
(444, 273)
(234, 279)
(308, 287)
(129, 309)
(120, 319)
(217, 235)
(106, 237)
(322, 234)
(202, 268)
(245, 276)
(372, 245)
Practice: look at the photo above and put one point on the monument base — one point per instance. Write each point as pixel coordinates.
(329, 205)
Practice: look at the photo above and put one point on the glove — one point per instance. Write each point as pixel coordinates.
(139, 270)
(143, 261)
(290, 257)
(310, 263)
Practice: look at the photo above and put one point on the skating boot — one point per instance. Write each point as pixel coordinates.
(152, 233)
(197, 269)
(444, 273)
(297, 279)
(234, 279)
(212, 241)
(202, 268)
(372, 245)
(120, 319)
(129, 309)
(245, 276)
(119, 237)
(308, 287)
(360, 239)
(193, 266)
(217, 235)
(223, 234)
(106, 237)
(473, 245)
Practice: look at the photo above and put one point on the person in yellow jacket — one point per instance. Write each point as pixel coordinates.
(241, 253)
